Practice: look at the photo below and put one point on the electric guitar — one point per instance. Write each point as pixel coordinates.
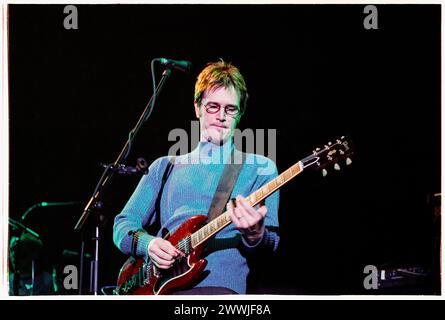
(139, 277)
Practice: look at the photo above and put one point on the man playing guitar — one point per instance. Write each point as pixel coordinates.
(220, 101)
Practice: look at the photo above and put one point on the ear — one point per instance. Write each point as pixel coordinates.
(197, 111)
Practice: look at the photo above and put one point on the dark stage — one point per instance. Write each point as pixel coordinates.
(313, 72)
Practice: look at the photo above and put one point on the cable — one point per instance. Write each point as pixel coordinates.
(150, 109)
(108, 287)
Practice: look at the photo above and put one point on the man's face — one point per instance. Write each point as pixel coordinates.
(218, 127)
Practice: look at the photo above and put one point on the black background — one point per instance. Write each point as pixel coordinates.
(313, 73)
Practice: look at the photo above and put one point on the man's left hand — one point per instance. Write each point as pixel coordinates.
(247, 219)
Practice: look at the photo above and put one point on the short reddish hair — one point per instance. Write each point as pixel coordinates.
(221, 74)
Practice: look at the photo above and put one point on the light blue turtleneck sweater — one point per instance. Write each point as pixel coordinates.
(188, 192)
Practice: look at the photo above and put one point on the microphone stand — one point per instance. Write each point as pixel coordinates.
(94, 206)
(20, 226)
(17, 251)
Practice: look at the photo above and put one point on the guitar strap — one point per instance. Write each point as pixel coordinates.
(165, 176)
(226, 184)
(223, 190)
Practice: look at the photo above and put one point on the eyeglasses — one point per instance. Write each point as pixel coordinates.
(213, 107)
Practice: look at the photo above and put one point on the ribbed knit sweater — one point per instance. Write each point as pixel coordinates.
(189, 191)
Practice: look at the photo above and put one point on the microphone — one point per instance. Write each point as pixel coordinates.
(48, 204)
(181, 65)
(59, 204)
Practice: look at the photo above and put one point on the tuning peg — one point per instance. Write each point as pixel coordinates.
(337, 167)
(324, 172)
(348, 161)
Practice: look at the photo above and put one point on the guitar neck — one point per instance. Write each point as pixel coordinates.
(223, 220)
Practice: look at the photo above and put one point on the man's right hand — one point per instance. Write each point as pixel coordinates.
(162, 253)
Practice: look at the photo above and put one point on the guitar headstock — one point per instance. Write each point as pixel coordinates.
(334, 154)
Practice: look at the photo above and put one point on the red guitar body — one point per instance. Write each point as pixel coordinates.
(140, 278)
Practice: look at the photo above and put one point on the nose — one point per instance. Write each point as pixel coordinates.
(221, 115)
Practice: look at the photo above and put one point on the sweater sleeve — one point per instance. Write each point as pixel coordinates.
(270, 239)
(128, 233)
